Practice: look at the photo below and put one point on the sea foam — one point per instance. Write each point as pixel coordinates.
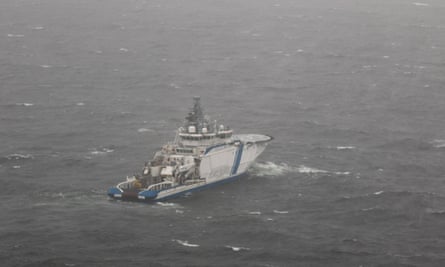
(272, 169)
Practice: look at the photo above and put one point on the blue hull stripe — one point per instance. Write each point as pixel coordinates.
(226, 180)
(212, 147)
(237, 160)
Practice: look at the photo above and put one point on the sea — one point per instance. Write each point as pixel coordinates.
(353, 92)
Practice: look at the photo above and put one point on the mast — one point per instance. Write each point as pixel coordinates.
(195, 116)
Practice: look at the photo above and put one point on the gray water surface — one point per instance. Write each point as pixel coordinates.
(352, 91)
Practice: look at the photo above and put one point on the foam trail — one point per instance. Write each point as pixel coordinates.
(305, 169)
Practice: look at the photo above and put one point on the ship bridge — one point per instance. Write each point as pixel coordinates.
(199, 131)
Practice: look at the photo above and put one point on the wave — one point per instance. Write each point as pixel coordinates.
(255, 212)
(280, 211)
(19, 156)
(15, 35)
(305, 169)
(435, 212)
(236, 249)
(438, 143)
(102, 151)
(165, 204)
(185, 243)
(272, 169)
(345, 147)
(25, 104)
(309, 170)
(143, 130)
(421, 4)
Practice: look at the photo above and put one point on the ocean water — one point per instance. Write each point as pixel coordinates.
(352, 91)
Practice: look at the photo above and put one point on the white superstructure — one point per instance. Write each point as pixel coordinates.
(203, 154)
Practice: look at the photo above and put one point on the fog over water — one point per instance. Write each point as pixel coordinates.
(353, 92)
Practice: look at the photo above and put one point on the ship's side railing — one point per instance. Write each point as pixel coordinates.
(160, 186)
(125, 185)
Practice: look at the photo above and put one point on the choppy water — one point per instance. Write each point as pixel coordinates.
(352, 91)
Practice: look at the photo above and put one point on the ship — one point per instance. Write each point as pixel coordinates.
(203, 154)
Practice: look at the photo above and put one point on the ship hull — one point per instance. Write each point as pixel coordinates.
(219, 164)
(173, 193)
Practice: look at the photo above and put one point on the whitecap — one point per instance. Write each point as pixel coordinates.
(237, 249)
(46, 66)
(369, 209)
(438, 143)
(179, 211)
(16, 35)
(143, 130)
(25, 104)
(19, 156)
(342, 173)
(173, 85)
(97, 152)
(378, 193)
(165, 204)
(273, 169)
(16, 167)
(185, 243)
(80, 104)
(433, 211)
(421, 4)
(281, 211)
(103, 151)
(305, 169)
(255, 212)
(123, 49)
(345, 147)
(270, 169)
